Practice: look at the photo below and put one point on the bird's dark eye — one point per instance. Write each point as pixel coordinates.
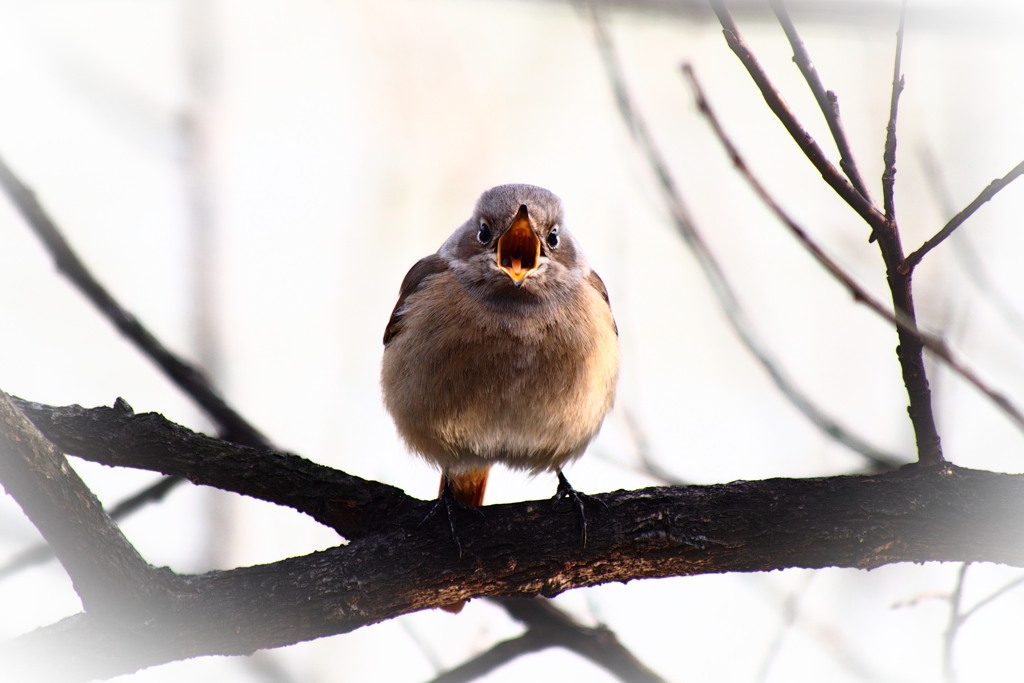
(484, 236)
(553, 237)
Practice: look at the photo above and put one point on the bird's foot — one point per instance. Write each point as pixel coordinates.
(565, 491)
(447, 503)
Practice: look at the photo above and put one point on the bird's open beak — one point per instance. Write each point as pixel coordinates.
(519, 248)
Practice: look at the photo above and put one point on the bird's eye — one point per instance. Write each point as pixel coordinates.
(553, 237)
(484, 235)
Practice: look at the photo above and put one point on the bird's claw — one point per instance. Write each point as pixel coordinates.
(447, 502)
(565, 491)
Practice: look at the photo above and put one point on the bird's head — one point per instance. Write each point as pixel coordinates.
(515, 245)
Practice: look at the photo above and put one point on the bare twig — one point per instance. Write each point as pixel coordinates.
(827, 100)
(835, 179)
(889, 155)
(648, 464)
(899, 319)
(109, 575)
(958, 616)
(232, 425)
(966, 253)
(598, 644)
(493, 658)
(713, 272)
(910, 349)
(955, 621)
(956, 221)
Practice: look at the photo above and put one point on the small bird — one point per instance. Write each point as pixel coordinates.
(502, 348)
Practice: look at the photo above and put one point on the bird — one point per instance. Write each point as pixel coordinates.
(501, 349)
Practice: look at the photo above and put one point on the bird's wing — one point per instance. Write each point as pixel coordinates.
(414, 279)
(595, 281)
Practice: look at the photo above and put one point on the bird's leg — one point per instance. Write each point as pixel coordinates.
(449, 503)
(566, 491)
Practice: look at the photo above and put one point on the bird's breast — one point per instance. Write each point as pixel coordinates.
(525, 385)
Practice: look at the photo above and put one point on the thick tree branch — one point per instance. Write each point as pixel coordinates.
(915, 514)
(117, 436)
(109, 575)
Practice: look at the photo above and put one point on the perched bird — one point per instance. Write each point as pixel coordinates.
(502, 348)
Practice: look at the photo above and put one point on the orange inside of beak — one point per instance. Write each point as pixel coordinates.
(518, 249)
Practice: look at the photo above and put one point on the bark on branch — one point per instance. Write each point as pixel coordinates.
(395, 566)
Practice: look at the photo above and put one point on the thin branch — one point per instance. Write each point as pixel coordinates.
(965, 252)
(720, 286)
(835, 179)
(597, 644)
(955, 621)
(910, 350)
(956, 221)
(232, 425)
(827, 100)
(899, 319)
(494, 658)
(109, 575)
(889, 155)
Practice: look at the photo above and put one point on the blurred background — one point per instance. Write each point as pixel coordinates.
(253, 179)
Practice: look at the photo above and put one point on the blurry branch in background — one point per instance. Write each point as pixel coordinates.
(548, 627)
(958, 615)
(189, 379)
(42, 552)
(642, 443)
(719, 283)
(912, 340)
(988, 17)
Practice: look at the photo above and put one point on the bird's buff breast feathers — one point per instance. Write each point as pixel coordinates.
(524, 387)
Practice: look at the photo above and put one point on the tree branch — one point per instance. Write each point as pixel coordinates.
(889, 154)
(956, 221)
(719, 283)
(109, 575)
(905, 326)
(526, 549)
(910, 350)
(827, 100)
(777, 104)
(118, 437)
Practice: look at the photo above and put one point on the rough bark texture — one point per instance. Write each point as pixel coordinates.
(393, 565)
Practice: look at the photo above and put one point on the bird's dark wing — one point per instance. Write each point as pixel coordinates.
(595, 281)
(414, 279)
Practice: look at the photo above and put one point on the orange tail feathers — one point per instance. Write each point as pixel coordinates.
(467, 487)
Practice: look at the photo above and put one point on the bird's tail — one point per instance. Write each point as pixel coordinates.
(466, 487)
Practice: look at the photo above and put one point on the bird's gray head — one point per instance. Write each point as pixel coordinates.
(515, 246)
